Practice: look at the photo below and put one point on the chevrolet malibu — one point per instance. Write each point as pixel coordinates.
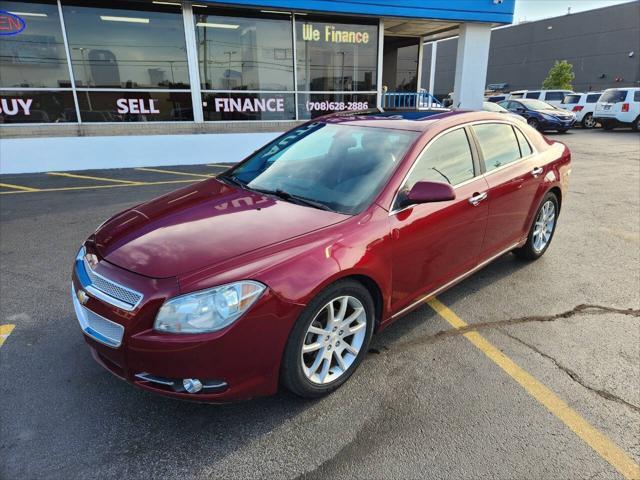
(279, 270)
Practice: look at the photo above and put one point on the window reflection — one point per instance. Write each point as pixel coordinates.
(35, 57)
(243, 53)
(127, 45)
(37, 107)
(335, 56)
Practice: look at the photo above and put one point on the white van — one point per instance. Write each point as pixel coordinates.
(554, 97)
(619, 107)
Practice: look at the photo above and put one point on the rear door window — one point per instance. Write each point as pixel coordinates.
(636, 96)
(532, 95)
(593, 98)
(498, 144)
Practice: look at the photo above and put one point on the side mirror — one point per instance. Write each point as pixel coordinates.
(428, 192)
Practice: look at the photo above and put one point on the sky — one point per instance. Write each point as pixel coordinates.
(529, 10)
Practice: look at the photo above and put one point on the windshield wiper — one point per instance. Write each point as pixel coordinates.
(295, 198)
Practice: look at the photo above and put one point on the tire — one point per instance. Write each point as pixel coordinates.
(635, 126)
(607, 125)
(534, 123)
(534, 249)
(564, 130)
(302, 373)
(588, 121)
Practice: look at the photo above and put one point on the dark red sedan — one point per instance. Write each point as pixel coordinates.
(280, 270)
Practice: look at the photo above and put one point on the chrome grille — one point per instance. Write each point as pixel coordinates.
(103, 288)
(111, 288)
(99, 328)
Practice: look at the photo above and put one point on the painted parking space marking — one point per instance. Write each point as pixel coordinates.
(5, 331)
(173, 172)
(18, 187)
(96, 187)
(88, 177)
(578, 425)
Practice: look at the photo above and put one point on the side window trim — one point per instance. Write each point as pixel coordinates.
(526, 139)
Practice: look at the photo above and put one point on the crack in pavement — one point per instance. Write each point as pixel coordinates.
(574, 375)
(578, 309)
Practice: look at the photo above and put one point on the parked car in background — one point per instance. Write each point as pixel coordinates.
(619, 107)
(494, 107)
(541, 115)
(553, 97)
(497, 97)
(582, 105)
(279, 270)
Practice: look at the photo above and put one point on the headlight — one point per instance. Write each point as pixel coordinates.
(207, 310)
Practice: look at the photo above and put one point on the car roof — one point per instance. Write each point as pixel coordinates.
(412, 120)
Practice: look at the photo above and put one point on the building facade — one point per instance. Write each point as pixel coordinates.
(602, 44)
(78, 69)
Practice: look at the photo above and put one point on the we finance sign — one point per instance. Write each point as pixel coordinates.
(333, 34)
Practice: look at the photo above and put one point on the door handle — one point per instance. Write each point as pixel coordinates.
(537, 171)
(477, 198)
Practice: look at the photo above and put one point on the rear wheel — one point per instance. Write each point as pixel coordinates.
(588, 121)
(329, 340)
(635, 126)
(542, 230)
(607, 124)
(534, 123)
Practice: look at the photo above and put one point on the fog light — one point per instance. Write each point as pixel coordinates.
(192, 385)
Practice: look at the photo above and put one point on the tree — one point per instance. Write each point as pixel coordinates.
(560, 76)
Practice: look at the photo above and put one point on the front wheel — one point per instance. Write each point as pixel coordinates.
(542, 230)
(588, 121)
(329, 340)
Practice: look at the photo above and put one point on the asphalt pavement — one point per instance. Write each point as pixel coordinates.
(433, 399)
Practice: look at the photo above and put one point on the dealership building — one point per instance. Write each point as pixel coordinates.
(76, 74)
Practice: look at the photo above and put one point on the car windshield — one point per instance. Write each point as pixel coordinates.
(537, 105)
(571, 99)
(331, 166)
(493, 107)
(613, 96)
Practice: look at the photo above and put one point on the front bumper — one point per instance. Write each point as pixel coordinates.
(238, 362)
(557, 124)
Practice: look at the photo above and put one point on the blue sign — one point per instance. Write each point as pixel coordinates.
(11, 24)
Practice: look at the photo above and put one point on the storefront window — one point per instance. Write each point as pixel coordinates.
(31, 47)
(127, 44)
(244, 53)
(127, 106)
(334, 56)
(37, 107)
(249, 106)
(311, 105)
(400, 60)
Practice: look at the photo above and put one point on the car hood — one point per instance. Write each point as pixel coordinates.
(201, 225)
(555, 113)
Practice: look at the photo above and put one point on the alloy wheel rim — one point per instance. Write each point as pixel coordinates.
(589, 122)
(333, 340)
(532, 122)
(543, 228)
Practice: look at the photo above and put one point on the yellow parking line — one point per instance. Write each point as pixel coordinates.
(87, 177)
(592, 437)
(173, 172)
(18, 187)
(5, 331)
(95, 187)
